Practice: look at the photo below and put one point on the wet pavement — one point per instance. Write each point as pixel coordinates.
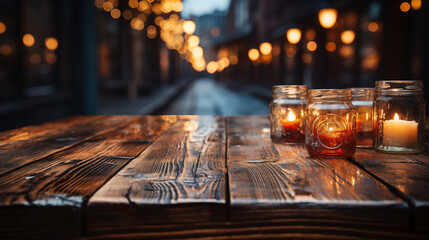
(205, 96)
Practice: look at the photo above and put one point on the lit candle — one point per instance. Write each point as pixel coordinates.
(400, 133)
(290, 124)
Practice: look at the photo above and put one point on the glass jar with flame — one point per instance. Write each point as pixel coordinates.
(287, 113)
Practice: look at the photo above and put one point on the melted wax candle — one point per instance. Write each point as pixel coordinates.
(400, 133)
(292, 129)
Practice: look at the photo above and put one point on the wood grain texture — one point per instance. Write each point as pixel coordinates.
(286, 228)
(58, 185)
(408, 174)
(179, 178)
(35, 143)
(270, 181)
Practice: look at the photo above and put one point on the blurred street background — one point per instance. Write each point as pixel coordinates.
(60, 58)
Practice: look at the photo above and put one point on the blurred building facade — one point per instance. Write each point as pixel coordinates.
(57, 58)
(371, 40)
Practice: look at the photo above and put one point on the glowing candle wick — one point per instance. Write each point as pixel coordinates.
(396, 117)
(291, 116)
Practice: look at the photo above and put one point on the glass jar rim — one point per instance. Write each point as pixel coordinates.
(399, 86)
(362, 92)
(330, 94)
(290, 90)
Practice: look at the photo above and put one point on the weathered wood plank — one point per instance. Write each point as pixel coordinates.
(48, 194)
(287, 228)
(409, 174)
(269, 181)
(36, 143)
(178, 179)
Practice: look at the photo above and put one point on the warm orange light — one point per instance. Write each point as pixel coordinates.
(212, 67)
(307, 58)
(137, 24)
(416, 4)
(115, 13)
(373, 27)
(331, 46)
(197, 52)
(142, 6)
(253, 54)
(347, 36)
(193, 41)
(328, 17)
(293, 35)
(5, 50)
(396, 117)
(99, 3)
(189, 27)
(291, 116)
(346, 51)
(156, 8)
(177, 6)
(127, 15)
(405, 7)
(265, 48)
(312, 46)
(133, 3)
(223, 52)
(51, 58)
(158, 20)
(151, 31)
(310, 35)
(35, 58)
(108, 6)
(233, 60)
(28, 40)
(51, 43)
(2, 28)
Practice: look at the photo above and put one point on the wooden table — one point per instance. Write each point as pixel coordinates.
(190, 177)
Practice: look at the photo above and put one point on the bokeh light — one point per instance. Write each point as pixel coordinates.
(253, 54)
(328, 17)
(331, 46)
(347, 36)
(265, 48)
(312, 46)
(5, 50)
(51, 43)
(28, 40)
(189, 27)
(115, 13)
(373, 27)
(293, 35)
(416, 4)
(405, 7)
(2, 27)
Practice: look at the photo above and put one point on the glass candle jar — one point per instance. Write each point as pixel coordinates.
(330, 124)
(363, 101)
(399, 117)
(287, 113)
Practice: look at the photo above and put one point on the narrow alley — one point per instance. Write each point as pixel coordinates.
(208, 97)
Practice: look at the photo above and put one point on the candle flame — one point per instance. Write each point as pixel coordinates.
(396, 117)
(366, 116)
(331, 129)
(291, 116)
